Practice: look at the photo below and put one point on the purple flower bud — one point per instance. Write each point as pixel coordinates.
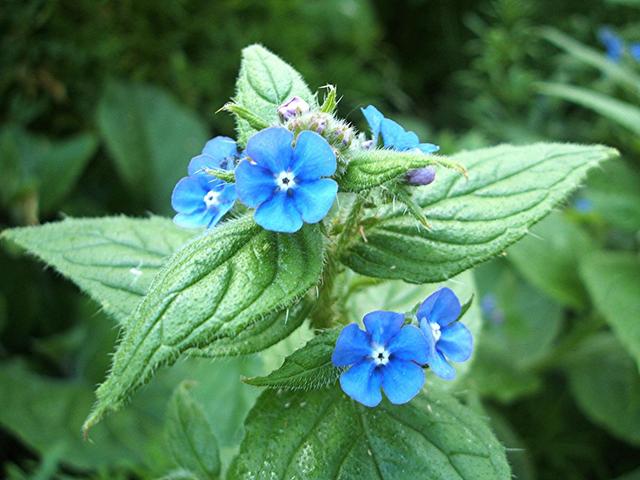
(367, 144)
(421, 176)
(292, 108)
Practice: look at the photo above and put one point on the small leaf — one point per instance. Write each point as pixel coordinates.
(371, 168)
(150, 137)
(254, 121)
(324, 434)
(605, 382)
(215, 287)
(549, 258)
(613, 281)
(190, 439)
(113, 259)
(508, 190)
(264, 83)
(308, 368)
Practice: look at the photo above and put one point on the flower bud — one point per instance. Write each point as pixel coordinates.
(292, 108)
(421, 176)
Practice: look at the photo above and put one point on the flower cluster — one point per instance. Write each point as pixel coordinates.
(389, 355)
(615, 46)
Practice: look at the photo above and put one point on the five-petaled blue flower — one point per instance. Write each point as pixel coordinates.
(284, 183)
(393, 135)
(200, 199)
(388, 356)
(448, 339)
(613, 44)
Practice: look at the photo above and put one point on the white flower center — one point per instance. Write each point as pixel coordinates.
(435, 329)
(285, 181)
(211, 199)
(380, 356)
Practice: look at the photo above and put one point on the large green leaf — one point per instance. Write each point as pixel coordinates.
(324, 435)
(549, 257)
(113, 259)
(508, 189)
(613, 281)
(214, 287)
(150, 137)
(190, 438)
(606, 385)
(264, 83)
(620, 112)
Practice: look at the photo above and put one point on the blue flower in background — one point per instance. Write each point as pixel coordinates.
(200, 199)
(448, 339)
(284, 183)
(393, 135)
(634, 49)
(612, 43)
(583, 205)
(387, 355)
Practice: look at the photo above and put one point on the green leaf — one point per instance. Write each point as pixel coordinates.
(30, 163)
(519, 329)
(618, 111)
(618, 73)
(308, 368)
(190, 439)
(216, 286)
(113, 259)
(371, 168)
(549, 257)
(606, 385)
(323, 434)
(509, 189)
(150, 137)
(613, 281)
(264, 83)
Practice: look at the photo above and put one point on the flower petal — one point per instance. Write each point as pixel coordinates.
(383, 326)
(374, 118)
(188, 195)
(314, 199)
(279, 214)
(442, 306)
(352, 346)
(227, 199)
(409, 344)
(396, 137)
(401, 381)
(254, 184)
(428, 148)
(271, 149)
(220, 148)
(362, 383)
(439, 365)
(313, 157)
(199, 218)
(456, 342)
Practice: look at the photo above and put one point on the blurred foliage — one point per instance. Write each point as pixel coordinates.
(103, 102)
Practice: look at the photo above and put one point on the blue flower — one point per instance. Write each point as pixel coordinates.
(448, 339)
(200, 199)
(284, 183)
(393, 135)
(612, 43)
(387, 355)
(634, 50)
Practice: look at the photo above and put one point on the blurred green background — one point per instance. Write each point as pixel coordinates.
(555, 374)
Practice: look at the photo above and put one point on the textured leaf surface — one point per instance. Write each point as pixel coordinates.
(190, 438)
(308, 368)
(214, 287)
(324, 435)
(606, 385)
(264, 83)
(549, 258)
(508, 189)
(613, 281)
(150, 137)
(113, 259)
(370, 168)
